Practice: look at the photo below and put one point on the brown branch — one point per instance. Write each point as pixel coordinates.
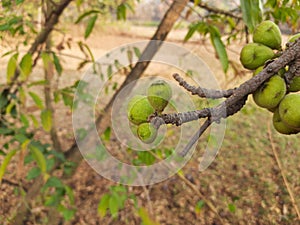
(217, 11)
(203, 92)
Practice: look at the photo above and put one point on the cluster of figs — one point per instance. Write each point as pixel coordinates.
(278, 96)
(141, 107)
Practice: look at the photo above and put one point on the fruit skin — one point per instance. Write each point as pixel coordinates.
(147, 132)
(294, 38)
(270, 93)
(254, 55)
(294, 85)
(289, 110)
(280, 126)
(268, 34)
(139, 109)
(159, 94)
(258, 70)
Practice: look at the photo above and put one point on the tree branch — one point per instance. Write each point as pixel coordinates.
(203, 92)
(216, 10)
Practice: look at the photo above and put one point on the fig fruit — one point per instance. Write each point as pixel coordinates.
(254, 55)
(159, 93)
(270, 93)
(280, 126)
(268, 34)
(294, 38)
(146, 132)
(139, 109)
(294, 85)
(289, 110)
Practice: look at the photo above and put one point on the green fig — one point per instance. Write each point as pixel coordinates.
(294, 85)
(280, 126)
(289, 110)
(147, 132)
(258, 70)
(294, 38)
(139, 109)
(254, 55)
(270, 93)
(159, 94)
(268, 34)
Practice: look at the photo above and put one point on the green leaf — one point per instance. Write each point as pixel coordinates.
(106, 134)
(103, 205)
(90, 26)
(220, 48)
(6, 131)
(113, 206)
(200, 27)
(25, 66)
(85, 14)
(57, 64)
(109, 71)
(68, 214)
(200, 204)
(6, 162)
(145, 217)
(34, 121)
(67, 98)
(24, 120)
(47, 61)
(121, 12)
(46, 117)
(70, 194)
(11, 67)
(137, 52)
(33, 173)
(38, 157)
(252, 14)
(54, 182)
(231, 207)
(37, 100)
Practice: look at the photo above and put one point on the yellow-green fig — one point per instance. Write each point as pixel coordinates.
(270, 93)
(268, 34)
(294, 85)
(258, 70)
(147, 132)
(139, 109)
(254, 55)
(289, 110)
(159, 93)
(280, 126)
(294, 38)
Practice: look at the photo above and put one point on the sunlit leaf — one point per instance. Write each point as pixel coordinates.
(57, 64)
(11, 67)
(38, 157)
(252, 14)
(5, 162)
(46, 118)
(25, 66)
(103, 205)
(37, 100)
(90, 26)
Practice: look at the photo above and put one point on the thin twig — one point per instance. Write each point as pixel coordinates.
(203, 92)
(286, 183)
